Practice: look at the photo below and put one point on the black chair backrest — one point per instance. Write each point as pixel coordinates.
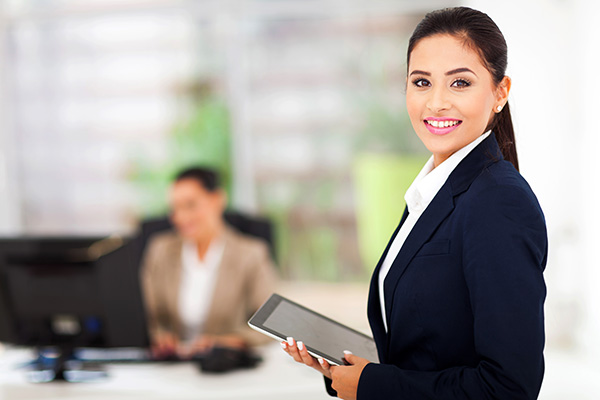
(259, 227)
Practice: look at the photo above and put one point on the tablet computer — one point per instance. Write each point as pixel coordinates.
(281, 318)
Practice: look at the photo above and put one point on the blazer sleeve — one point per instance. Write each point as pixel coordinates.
(504, 254)
(260, 284)
(150, 281)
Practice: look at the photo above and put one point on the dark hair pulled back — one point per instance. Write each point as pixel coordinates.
(480, 33)
(205, 177)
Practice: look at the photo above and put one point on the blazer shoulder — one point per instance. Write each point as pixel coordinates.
(500, 189)
(245, 244)
(162, 243)
(502, 177)
(163, 239)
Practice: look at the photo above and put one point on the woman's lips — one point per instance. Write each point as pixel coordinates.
(441, 126)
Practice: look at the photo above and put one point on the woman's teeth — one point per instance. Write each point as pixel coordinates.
(442, 124)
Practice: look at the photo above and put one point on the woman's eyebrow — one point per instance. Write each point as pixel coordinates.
(459, 70)
(451, 72)
(419, 72)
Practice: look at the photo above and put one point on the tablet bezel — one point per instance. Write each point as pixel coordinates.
(265, 311)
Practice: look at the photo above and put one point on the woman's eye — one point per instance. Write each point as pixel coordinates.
(421, 82)
(461, 83)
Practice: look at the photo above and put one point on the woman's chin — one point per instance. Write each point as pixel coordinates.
(189, 234)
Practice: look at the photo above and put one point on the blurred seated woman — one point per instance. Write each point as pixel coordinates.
(203, 281)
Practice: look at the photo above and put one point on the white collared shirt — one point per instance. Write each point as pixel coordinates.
(418, 196)
(198, 278)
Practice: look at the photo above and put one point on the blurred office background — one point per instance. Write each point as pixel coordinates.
(300, 105)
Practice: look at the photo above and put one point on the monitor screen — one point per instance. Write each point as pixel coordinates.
(70, 292)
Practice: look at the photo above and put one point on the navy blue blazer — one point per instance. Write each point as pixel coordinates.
(464, 298)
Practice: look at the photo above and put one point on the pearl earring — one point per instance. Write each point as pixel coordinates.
(499, 108)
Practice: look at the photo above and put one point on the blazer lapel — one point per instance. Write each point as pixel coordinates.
(173, 281)
(439, 208)
(373, 303)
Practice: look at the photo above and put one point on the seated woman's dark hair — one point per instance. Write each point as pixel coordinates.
(481, 34)
(206, 177)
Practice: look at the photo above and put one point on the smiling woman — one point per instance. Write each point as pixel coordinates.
(456, 303)
(450, 90)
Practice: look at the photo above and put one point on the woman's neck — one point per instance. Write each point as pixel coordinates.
(203, 243)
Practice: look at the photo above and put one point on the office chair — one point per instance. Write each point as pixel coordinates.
(259, 227)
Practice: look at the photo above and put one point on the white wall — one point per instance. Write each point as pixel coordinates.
(9, 210)
(587, 61)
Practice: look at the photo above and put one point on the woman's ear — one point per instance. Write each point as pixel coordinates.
(503, 90)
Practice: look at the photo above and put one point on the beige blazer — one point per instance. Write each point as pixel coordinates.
(245, 279)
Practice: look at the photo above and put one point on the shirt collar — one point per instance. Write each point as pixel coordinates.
(430, 180)
(211, 258)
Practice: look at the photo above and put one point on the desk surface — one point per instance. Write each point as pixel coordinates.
(569, 375)
(277, 378)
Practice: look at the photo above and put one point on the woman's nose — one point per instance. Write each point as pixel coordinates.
(438, 100)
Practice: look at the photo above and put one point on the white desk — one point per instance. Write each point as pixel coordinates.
(568, 375)
(277, 378)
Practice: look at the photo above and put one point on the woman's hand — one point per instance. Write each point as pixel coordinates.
(345, 378)
(199, 345)
(298, 351)
(205, 343)
(165, 344)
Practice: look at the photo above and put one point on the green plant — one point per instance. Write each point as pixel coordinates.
(202, 138)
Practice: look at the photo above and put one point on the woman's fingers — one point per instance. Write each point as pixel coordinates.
(293, 350)
(300, 354)
(203, 344)
(306, 358)
(324, 364)
(164, 345)
(325, 368)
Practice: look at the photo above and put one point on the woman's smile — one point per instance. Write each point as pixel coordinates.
(441, 126)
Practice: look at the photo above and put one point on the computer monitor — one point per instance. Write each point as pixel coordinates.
(67, 292)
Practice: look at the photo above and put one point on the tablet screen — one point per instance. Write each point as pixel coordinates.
(322, 336)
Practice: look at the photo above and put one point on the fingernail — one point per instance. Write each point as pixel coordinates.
(300, 345)
(321, 361)
(283, 346)
(290, 341)
(347, 352)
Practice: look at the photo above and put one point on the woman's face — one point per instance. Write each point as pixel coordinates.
(195, 212)
(450, 95)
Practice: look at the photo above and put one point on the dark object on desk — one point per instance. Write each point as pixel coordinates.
(63, 293)
(222, 359)
(218, 360)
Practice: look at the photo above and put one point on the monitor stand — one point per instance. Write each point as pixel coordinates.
(62, 365)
